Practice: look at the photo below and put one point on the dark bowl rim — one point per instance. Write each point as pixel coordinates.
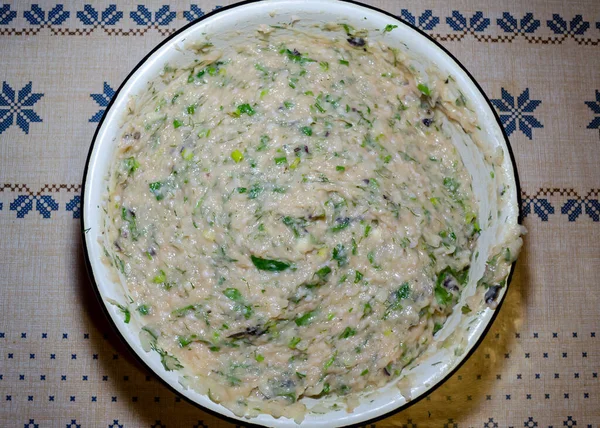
(130, 347)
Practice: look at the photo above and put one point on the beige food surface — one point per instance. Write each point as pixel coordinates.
(291, 217)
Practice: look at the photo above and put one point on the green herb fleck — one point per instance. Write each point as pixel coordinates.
(293, 342)
(306, 130)
(341, 225)
(269, 265)
(155, 190)
(143, 309)
(160, 278)
(358, 277)
(348, 332)
(233, 294)
(245, 108)
(131, 164)
(424, 89)
(340, 255)
(305, 319)
(237, 156)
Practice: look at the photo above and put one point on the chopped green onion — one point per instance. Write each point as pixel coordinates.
(294, 342)
(237, 156)
(160, 278)
(348, 332)
(424, 89)
(269, 265)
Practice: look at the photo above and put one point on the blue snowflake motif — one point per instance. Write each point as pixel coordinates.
(102, 100)
(476, 23)
(37, 15)
(7, 15)
(542, 207)
(11, 106)
(143, 16)
(194, 13)
(573, 208)
(595, 107)
(514, 114)
(74, 205)
(73, 424)
(31, 424)
(44, 204)
(510, 24)
(570, 422)
(115, 424)
(89, 16)
(425, 22)
(577, 26)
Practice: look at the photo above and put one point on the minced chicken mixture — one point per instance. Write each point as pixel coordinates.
(290, 215)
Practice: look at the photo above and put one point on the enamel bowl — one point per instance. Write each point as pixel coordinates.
(461, 333)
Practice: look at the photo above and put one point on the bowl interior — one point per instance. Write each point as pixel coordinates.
(465, 330)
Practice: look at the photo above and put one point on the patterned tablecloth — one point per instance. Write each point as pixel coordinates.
(60, 364)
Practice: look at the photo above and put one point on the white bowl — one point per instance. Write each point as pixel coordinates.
(439, 362)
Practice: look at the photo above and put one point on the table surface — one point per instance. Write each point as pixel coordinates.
(60, 364)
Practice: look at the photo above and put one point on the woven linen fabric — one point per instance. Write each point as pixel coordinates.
(62, 366)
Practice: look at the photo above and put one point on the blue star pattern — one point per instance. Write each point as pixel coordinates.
(115, 424)
(458, 22)
(595, 107)
(516, 114)
(143, 16)
(44, 204)
(477, 22)
(194, 13)
(102, 100)
(14, 104)
(527, 24)
(89, 15)
(73, 424)
(31, 424)
(426, 21)
(577, 26)
(573, 208)
(37, 16)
